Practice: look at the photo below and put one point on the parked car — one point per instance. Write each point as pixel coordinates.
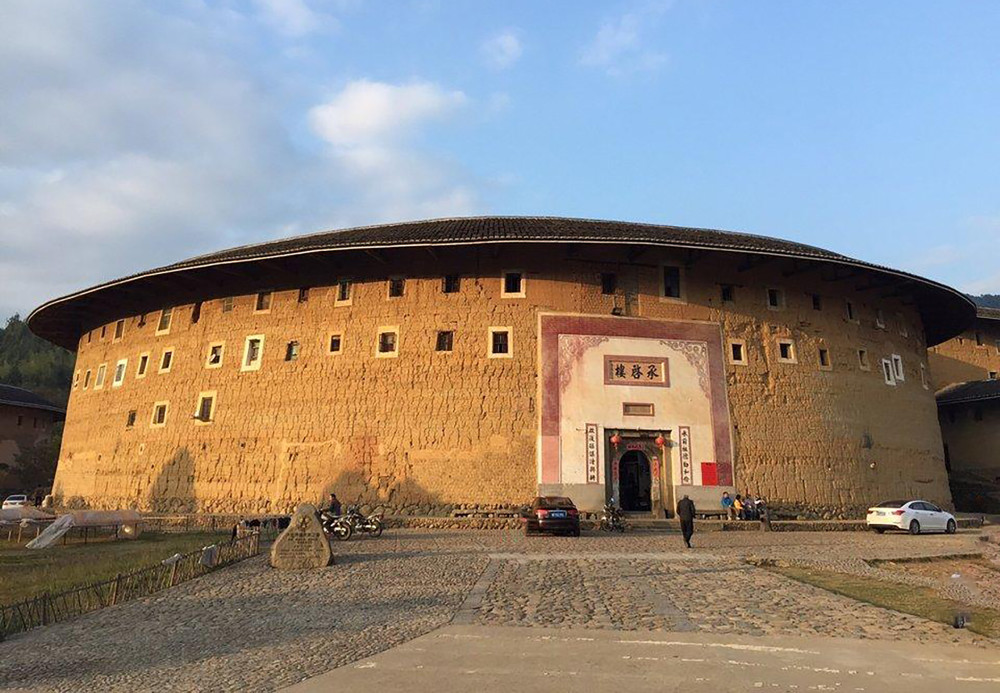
(17, 500)
(913, 516)
(555, 514)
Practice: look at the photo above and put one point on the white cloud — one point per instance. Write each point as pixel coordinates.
(503, 50)
(620, 46)
(132, 137)
(293, 18)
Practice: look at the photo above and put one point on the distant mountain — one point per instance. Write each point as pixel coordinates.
(987, 300)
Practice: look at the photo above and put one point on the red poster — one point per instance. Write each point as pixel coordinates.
(709, 474)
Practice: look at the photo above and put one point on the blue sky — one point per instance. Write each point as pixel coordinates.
(136, 134)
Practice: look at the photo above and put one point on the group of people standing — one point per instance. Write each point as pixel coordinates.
(744, 507)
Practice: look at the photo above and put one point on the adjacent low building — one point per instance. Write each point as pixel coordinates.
(25, 418)
(477, 362)
(970, 425)
(973, 354)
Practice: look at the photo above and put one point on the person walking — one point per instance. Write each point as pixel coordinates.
(686, 511)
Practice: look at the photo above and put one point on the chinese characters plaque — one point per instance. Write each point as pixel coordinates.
(636, 370)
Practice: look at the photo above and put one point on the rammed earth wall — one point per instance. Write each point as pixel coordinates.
(425, 430)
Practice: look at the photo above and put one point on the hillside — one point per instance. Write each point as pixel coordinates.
(30, 362)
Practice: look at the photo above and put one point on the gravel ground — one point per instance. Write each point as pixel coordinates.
(252, 628)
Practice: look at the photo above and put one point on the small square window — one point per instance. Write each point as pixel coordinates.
(303, 294)
(335, 344)
(20, 420)
(445, 341)
(166, 360)
(86, 379)
(979, 339)
(671, 282)
(163, 326)
(775, 299)
(142, 320)
(997, 344)
(397, 285)
(263, 302)
(786, 351)
(159, 415)
(140, 371)
(90, 336)
(388, 343)
(119, 377)
(637, 409)
(119, 330)
(343, 292)
(253, 352)
(903, 329)
(205, 412)
(863, 362)
(196, 313)
(817, 302)
(728, 293)
(227, 304)
(849, 308)
(451, 283)
(993, 375)
(512, 284)
(897, 367)
(609, 283)
(101, 373)
(499, 342)
(215, 353)
(824, 359)
(879, 319)
(887, 372)
(76, 379)
(104, 331)
(738, 352)
(292, 351)
(130, 419)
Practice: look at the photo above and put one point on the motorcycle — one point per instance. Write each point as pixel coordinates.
(372, 524)
(613, 519)
(337, 526)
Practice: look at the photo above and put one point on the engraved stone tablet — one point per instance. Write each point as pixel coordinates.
(304, 544)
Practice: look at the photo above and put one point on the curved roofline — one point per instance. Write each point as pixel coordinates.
(269, 250)
(36, 403)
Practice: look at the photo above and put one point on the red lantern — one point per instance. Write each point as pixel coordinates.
(660, 440)
(616, 439)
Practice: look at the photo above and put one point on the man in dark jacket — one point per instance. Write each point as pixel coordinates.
(334, 508)
(685, 511)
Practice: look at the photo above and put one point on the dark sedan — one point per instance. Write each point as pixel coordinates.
(555, 514)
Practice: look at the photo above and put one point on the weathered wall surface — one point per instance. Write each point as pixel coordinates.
(428, 430)
(971, 432)
(972, 355)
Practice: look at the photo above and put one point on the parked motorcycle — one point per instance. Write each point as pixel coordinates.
(337, 526)
(372, 524)
(613, 519)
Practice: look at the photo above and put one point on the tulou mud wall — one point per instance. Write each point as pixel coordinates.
(426, 431)
(972, 355)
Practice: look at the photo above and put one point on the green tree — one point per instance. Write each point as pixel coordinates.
(36, 466)
(32, 363)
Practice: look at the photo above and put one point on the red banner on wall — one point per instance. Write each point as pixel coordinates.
(709, 474)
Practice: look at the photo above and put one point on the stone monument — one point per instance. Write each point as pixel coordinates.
(303, 544)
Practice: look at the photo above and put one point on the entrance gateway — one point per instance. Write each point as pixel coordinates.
(639, 471)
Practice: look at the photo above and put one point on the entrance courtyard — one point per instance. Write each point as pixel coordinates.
(253, 628)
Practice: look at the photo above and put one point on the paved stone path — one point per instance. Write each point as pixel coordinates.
(251, 628)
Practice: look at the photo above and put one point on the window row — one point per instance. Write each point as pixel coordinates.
(204, 412)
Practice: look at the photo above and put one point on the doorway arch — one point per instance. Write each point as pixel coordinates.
(635, 482)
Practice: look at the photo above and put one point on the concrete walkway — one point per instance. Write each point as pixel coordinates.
(484, 659)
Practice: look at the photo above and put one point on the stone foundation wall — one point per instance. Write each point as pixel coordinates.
(427, 432)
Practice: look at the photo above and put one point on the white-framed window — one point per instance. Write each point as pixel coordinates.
(292, 351)
(444, 343)
(879, 319)
(163, 324)
(119, 377)
(227, 304)
(775, 298)
(253, 353)
(904, 331)
(512, 284)
(204, 411)
(737, 352)
(396, 287)
(216, 351)
(850, 312)
(335, 343)
(102, 372)
(86, 379)
(166, 360)
(345, 293)
(262, 303)
(387, 342)
(897, 368)
(140, 370)
(159, 417)
(786, 351)
(863, 362)
(500, 344)
(924, 380)
(825, 360)
(119, 331)
(887, 373)
(672, 283)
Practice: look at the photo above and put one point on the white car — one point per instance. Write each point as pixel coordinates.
(913, 516)
(16, 501)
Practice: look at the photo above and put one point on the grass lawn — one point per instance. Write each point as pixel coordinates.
(919, 601)
(25, 573)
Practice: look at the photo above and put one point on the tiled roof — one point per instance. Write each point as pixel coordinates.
(973, 391)
(19, 397)
(983, 312)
